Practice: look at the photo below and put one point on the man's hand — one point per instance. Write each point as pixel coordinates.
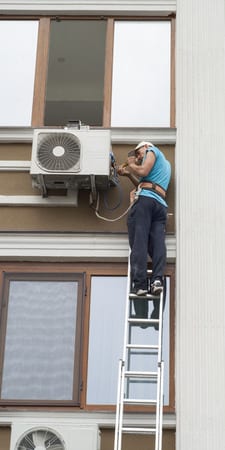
(131, 160)
(122, 170)
(132, 196)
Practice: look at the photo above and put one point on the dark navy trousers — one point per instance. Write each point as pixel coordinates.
(146, 230)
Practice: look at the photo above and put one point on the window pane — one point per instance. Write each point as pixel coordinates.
(40, 340)
(18, 57)
(141, 74)
(108, 296)
(106, 335)
(75, 83)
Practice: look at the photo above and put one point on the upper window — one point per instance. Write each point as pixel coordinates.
(75, 84)
(102, 72)
(141, 74)
(18, 58)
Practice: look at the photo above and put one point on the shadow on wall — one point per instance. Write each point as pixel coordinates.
(82, 218)
(134, 442)
(5, 438)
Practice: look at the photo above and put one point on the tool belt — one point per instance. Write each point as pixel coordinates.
(150, 186)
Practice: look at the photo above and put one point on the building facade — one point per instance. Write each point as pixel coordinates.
(111, 73)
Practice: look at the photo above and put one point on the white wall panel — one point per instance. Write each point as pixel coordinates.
(200, 169)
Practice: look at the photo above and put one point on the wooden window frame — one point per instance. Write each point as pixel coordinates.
(122, 271)
(42, 66)
(7, 277)
(88, 270)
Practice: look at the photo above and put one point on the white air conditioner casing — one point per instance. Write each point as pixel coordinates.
(72, 435)
(71, 158)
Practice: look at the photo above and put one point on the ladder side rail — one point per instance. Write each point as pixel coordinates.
(118, 406)
(120, 388)
(121, 400)
(128, 350)
(127, 328)
(161, 300)
(161, 406)
(157, 434)
(127, 309)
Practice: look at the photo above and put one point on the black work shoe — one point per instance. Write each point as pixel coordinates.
(156, 287)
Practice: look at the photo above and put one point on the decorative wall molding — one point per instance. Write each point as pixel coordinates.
(71, 199)
(80, 418)
(15, 166)
(78, 7)
(118, 135)
(70, 247)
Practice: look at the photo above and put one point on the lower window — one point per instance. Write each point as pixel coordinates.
(41, 336)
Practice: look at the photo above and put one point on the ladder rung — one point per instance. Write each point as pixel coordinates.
(138, 320)
(134, 401)
(141, 297)
(143, 346)
(136, 374)
(140, 430)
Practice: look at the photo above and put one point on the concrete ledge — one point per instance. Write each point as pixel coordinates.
(118, 135)
(78, 7)
(70, 247)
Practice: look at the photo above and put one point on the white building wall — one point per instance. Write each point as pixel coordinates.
(200, 171)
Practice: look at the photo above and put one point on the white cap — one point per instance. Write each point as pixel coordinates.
(142, 143)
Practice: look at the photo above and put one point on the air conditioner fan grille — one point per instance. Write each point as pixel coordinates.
(58, 151)
(41, 439)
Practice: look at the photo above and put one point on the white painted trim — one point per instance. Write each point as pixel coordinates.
(118, 135)
(15, 166)
(106, 419)
(70, 247)
(133, 135)
(128, 7)
(71, 199)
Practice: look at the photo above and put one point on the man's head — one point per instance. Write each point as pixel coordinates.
(143, 144)
(141, 147)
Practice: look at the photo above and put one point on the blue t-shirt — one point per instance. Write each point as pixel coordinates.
(159, 174)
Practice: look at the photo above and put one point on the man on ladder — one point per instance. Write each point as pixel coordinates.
(146, 229)
(147, 217)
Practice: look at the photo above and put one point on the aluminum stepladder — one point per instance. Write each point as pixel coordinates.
(126, 375)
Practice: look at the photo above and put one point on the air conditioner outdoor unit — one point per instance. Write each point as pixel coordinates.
(54, 436)
(71, 159)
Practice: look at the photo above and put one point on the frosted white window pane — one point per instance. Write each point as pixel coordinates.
(18, 56)
(108, 296)
(40, 339)
(141, 74)
(107, 315)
